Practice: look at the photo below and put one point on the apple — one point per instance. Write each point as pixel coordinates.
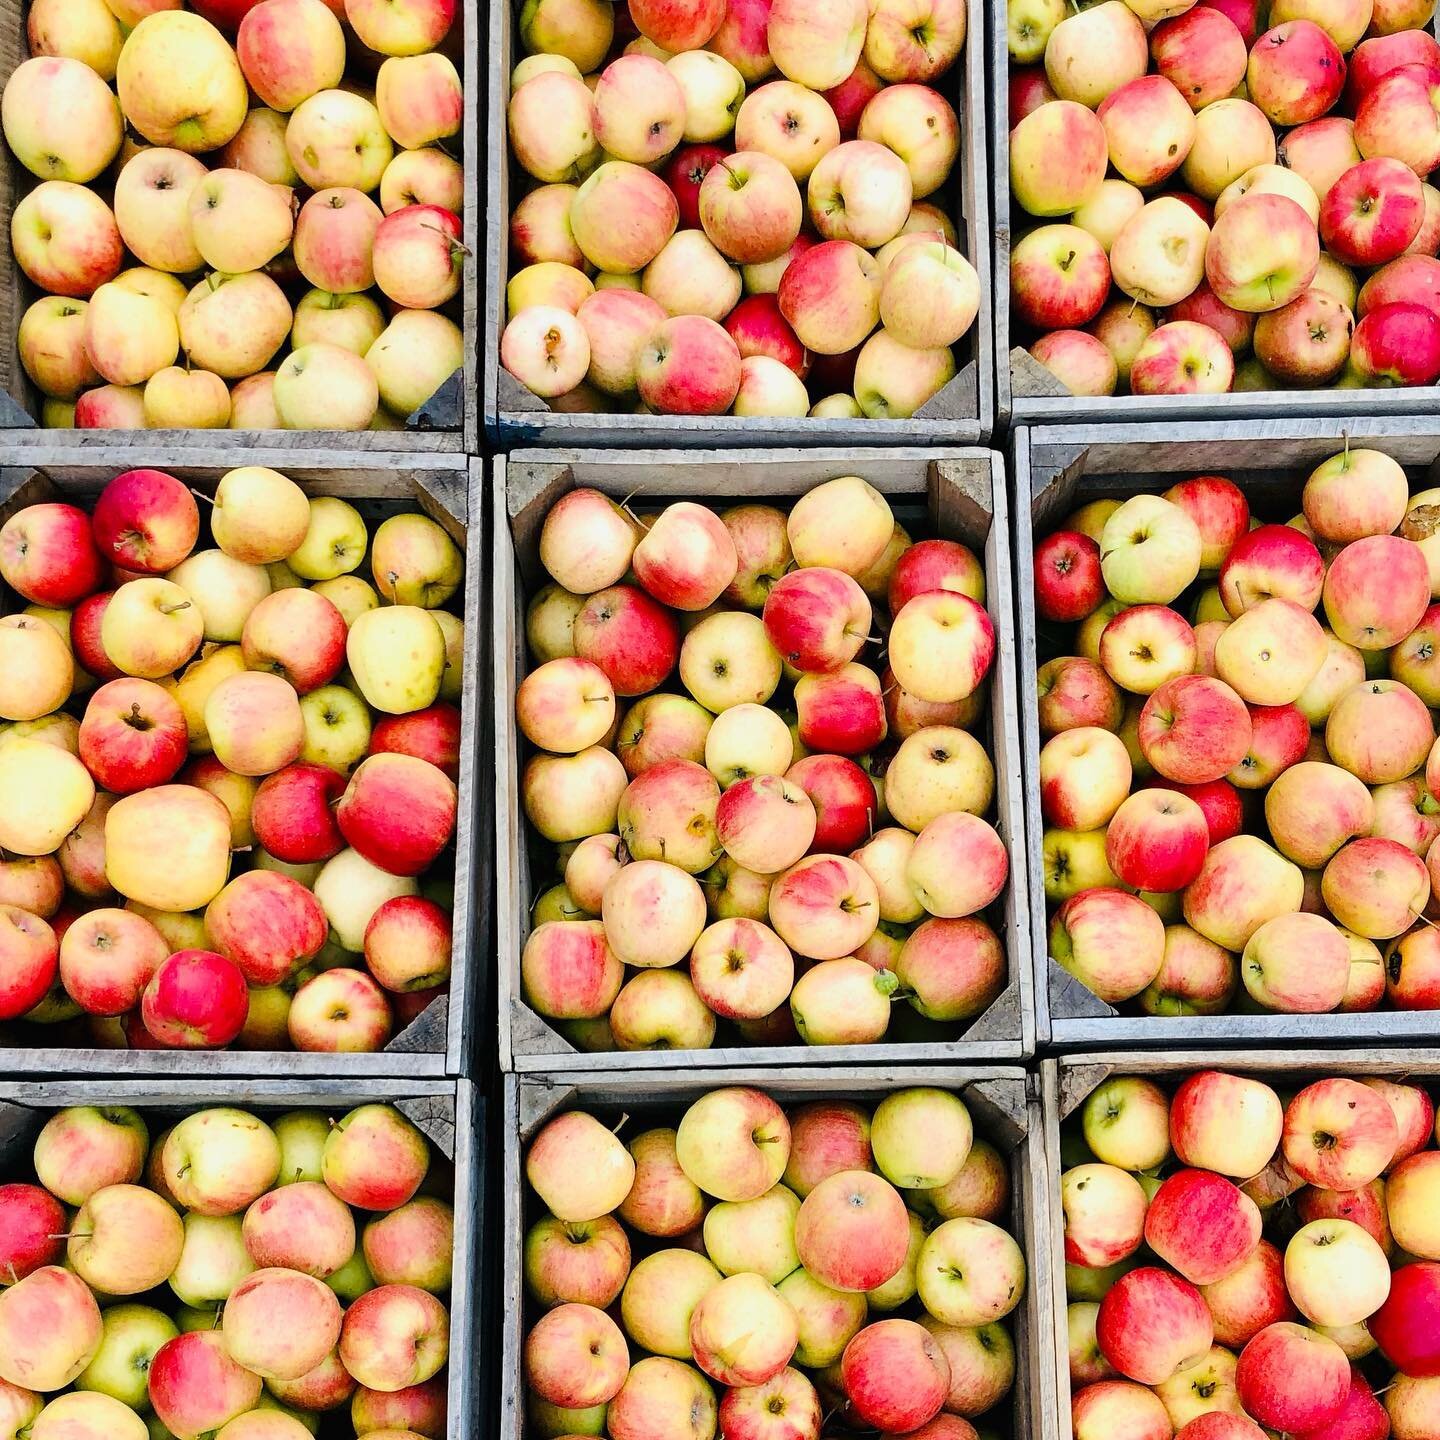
(1289, 1376)
(817, 49)
(61, 119)
(1104, 1211)
(1090, 55)
(1174, 1333)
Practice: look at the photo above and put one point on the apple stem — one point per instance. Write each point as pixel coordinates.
(171, 609)
(73, 1235)
(1345, 436)
(619, 1125)
(201, 495)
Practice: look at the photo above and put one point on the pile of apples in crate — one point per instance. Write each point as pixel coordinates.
(1226, 209)
(175, 712)
(782, 1258)
(226, 1277)
(283, 184)
(1229, 1261)
(729, 849)
(667, 259)
(1266, 782)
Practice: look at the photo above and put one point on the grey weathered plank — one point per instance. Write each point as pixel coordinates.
(962, 414)
(965, 496)
(531, 1099)
(388, 482)
(1058, 467)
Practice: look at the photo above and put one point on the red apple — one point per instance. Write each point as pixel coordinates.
(32, 1229)
(133, 736)
(293, 812)
(47, 555)
(1291, 1378)
(431, 734)
(267, 925)
(1068, 584)
(146, 520)
(398, 812)
(844, 799)
(196, 1000)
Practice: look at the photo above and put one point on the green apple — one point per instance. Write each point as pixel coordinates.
(397, 656)
(301, 1134)
(921, 1137)
(121, 1367)
(337, 727)
(213, 1262)
(352, 1279)
(334, 543)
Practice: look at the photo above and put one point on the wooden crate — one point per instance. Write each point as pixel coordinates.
(1026, 393)
(963, 413)
(449, 1112)
(438, 1042)
(962, 495)
(1066, 1082)
(1060, 467)
(1003, 1102)
(449, 420)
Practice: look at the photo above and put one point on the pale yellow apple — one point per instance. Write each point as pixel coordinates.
(413, 356)
(45, 792)
(151, 627)
(180, 84)
(259, 515)
(225, 590)
(168, 847)
(397, 656)
(36, 670)
(129, 336)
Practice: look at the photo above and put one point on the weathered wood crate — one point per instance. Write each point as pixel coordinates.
(451, 1114)
(1026, 393)
(438, 1042)
(1057, 468)
(1003, 1103)
(449, 420)
(963, 413)
(1065, 1084)
(958, 494)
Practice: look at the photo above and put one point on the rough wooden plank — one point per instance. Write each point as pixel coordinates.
(964, 492)
(1004, 1106)
(963, 414)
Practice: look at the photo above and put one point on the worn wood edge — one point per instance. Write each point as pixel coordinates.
(320, 1092)
(522, 430)
(1030, 745)
(525, 1041)
(231, 1064)
(533, 1065)
(464, 1385)
(471, 912)
(530, 1100)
